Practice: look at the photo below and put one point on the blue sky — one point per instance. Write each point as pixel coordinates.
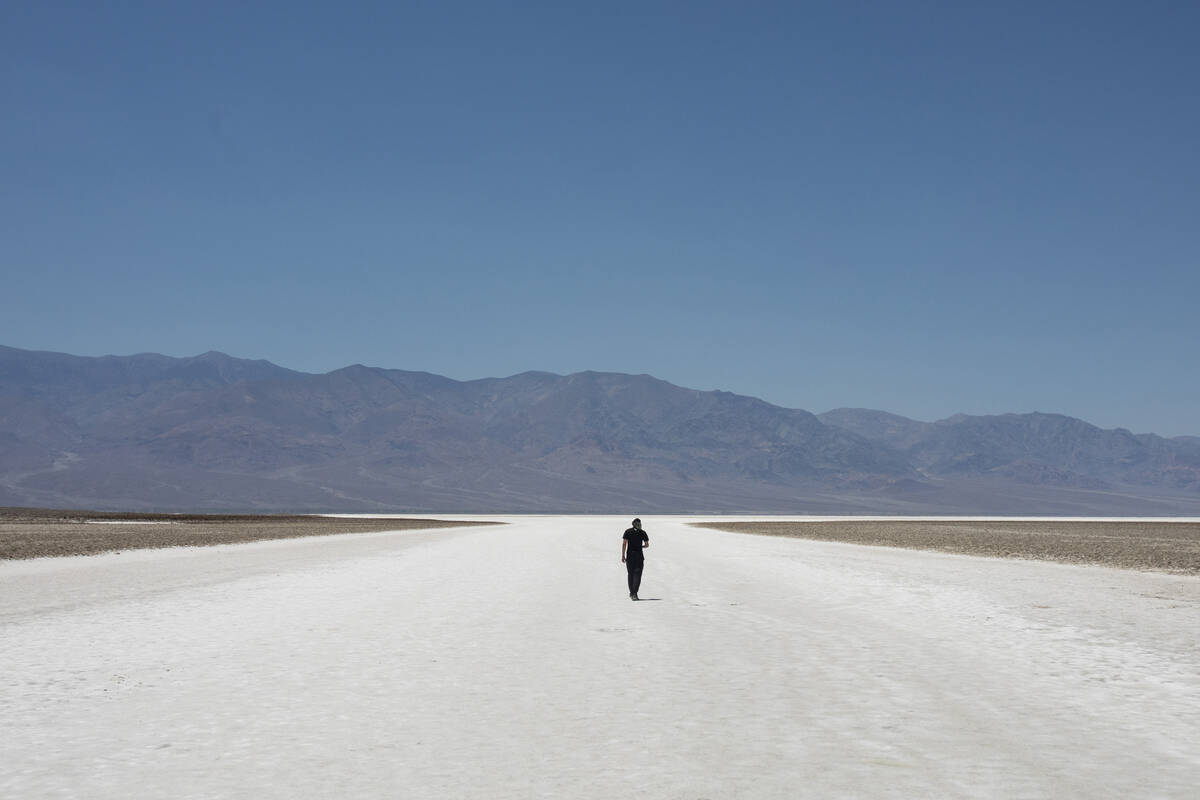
(926, 208)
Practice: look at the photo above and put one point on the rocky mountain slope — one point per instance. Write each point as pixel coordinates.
(215, 432)
(1040, 449)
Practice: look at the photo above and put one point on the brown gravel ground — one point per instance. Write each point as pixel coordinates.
(1160, 546)
(35, 532)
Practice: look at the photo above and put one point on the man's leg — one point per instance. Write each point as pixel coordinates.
(635, 576)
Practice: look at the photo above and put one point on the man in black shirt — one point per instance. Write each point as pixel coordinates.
(632, 544)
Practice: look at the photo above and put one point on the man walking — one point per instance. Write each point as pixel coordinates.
(632, 544)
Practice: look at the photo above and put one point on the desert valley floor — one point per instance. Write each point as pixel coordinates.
(508, 662)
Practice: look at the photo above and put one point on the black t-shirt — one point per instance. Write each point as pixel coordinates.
(635, 537)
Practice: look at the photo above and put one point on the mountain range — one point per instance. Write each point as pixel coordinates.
(213, 432)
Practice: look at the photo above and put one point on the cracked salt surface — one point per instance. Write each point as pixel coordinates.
(508, 662)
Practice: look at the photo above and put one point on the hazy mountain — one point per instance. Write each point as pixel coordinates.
(1041, 449)
(878, 426)
(216, 432)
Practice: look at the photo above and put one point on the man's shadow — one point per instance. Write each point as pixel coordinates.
(648, 599)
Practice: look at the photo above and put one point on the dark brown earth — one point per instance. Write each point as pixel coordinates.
(34, 532)
(1160, 546)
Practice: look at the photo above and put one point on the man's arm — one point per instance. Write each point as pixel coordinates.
(624, 544)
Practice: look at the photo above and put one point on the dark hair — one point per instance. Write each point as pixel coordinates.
(637, 522)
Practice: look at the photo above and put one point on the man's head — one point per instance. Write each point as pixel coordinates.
(637, 523)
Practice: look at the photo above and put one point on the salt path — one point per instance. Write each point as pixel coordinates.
(508, 662)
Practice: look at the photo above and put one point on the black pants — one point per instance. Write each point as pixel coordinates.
(635, 573)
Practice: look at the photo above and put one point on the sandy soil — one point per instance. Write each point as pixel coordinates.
(1162, 546)
(37, 532)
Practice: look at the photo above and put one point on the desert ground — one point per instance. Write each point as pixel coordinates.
(1154, 544)
(508, 662)
(37, 532)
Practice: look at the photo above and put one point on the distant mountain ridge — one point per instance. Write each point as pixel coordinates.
(213, 432)
(1035, 448)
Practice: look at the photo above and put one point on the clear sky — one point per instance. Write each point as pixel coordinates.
(926, 208)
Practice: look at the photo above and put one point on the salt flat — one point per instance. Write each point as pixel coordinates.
(508, 662)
